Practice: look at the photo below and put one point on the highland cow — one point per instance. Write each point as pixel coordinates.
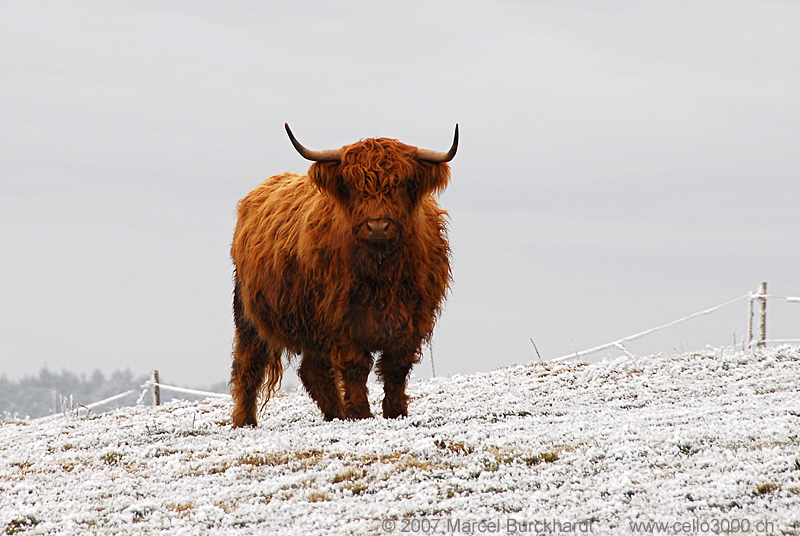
(344, 266)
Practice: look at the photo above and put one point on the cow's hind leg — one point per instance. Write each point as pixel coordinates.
(318, 377)
(393, 368)
(253, 361)
(354, 368)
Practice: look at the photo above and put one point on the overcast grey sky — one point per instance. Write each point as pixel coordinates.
(622, 164)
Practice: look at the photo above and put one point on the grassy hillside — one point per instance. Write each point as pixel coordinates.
(709, 438)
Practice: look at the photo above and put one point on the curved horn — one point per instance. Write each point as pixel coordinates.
(329, 155)
(436, 156)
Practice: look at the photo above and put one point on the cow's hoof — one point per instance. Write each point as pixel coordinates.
(246, 423)
(394, 413)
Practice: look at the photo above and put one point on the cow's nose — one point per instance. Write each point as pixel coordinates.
(378, 229)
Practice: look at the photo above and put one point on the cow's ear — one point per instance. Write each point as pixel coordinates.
(430, 179)
(328, 178)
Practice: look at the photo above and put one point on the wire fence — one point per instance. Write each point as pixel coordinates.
(756, 300)
(68, 407)
(750, 340)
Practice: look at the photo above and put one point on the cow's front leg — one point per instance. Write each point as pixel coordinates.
(354, 367)
(393, 368)
(318, 377)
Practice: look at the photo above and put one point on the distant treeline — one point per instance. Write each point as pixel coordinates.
(34, 396)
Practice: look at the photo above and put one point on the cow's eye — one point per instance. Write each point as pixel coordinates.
(343, 190)
(412, 188)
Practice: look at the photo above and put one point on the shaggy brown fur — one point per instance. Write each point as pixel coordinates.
(346, 262)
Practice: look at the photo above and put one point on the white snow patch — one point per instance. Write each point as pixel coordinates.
(714, 435)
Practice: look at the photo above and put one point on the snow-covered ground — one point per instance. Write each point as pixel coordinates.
(708, 438)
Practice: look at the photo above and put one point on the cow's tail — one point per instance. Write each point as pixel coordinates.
(273, 377)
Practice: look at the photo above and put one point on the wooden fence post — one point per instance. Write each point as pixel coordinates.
(156, 389)
(749, 322)
(763, 299)
(762, 336)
